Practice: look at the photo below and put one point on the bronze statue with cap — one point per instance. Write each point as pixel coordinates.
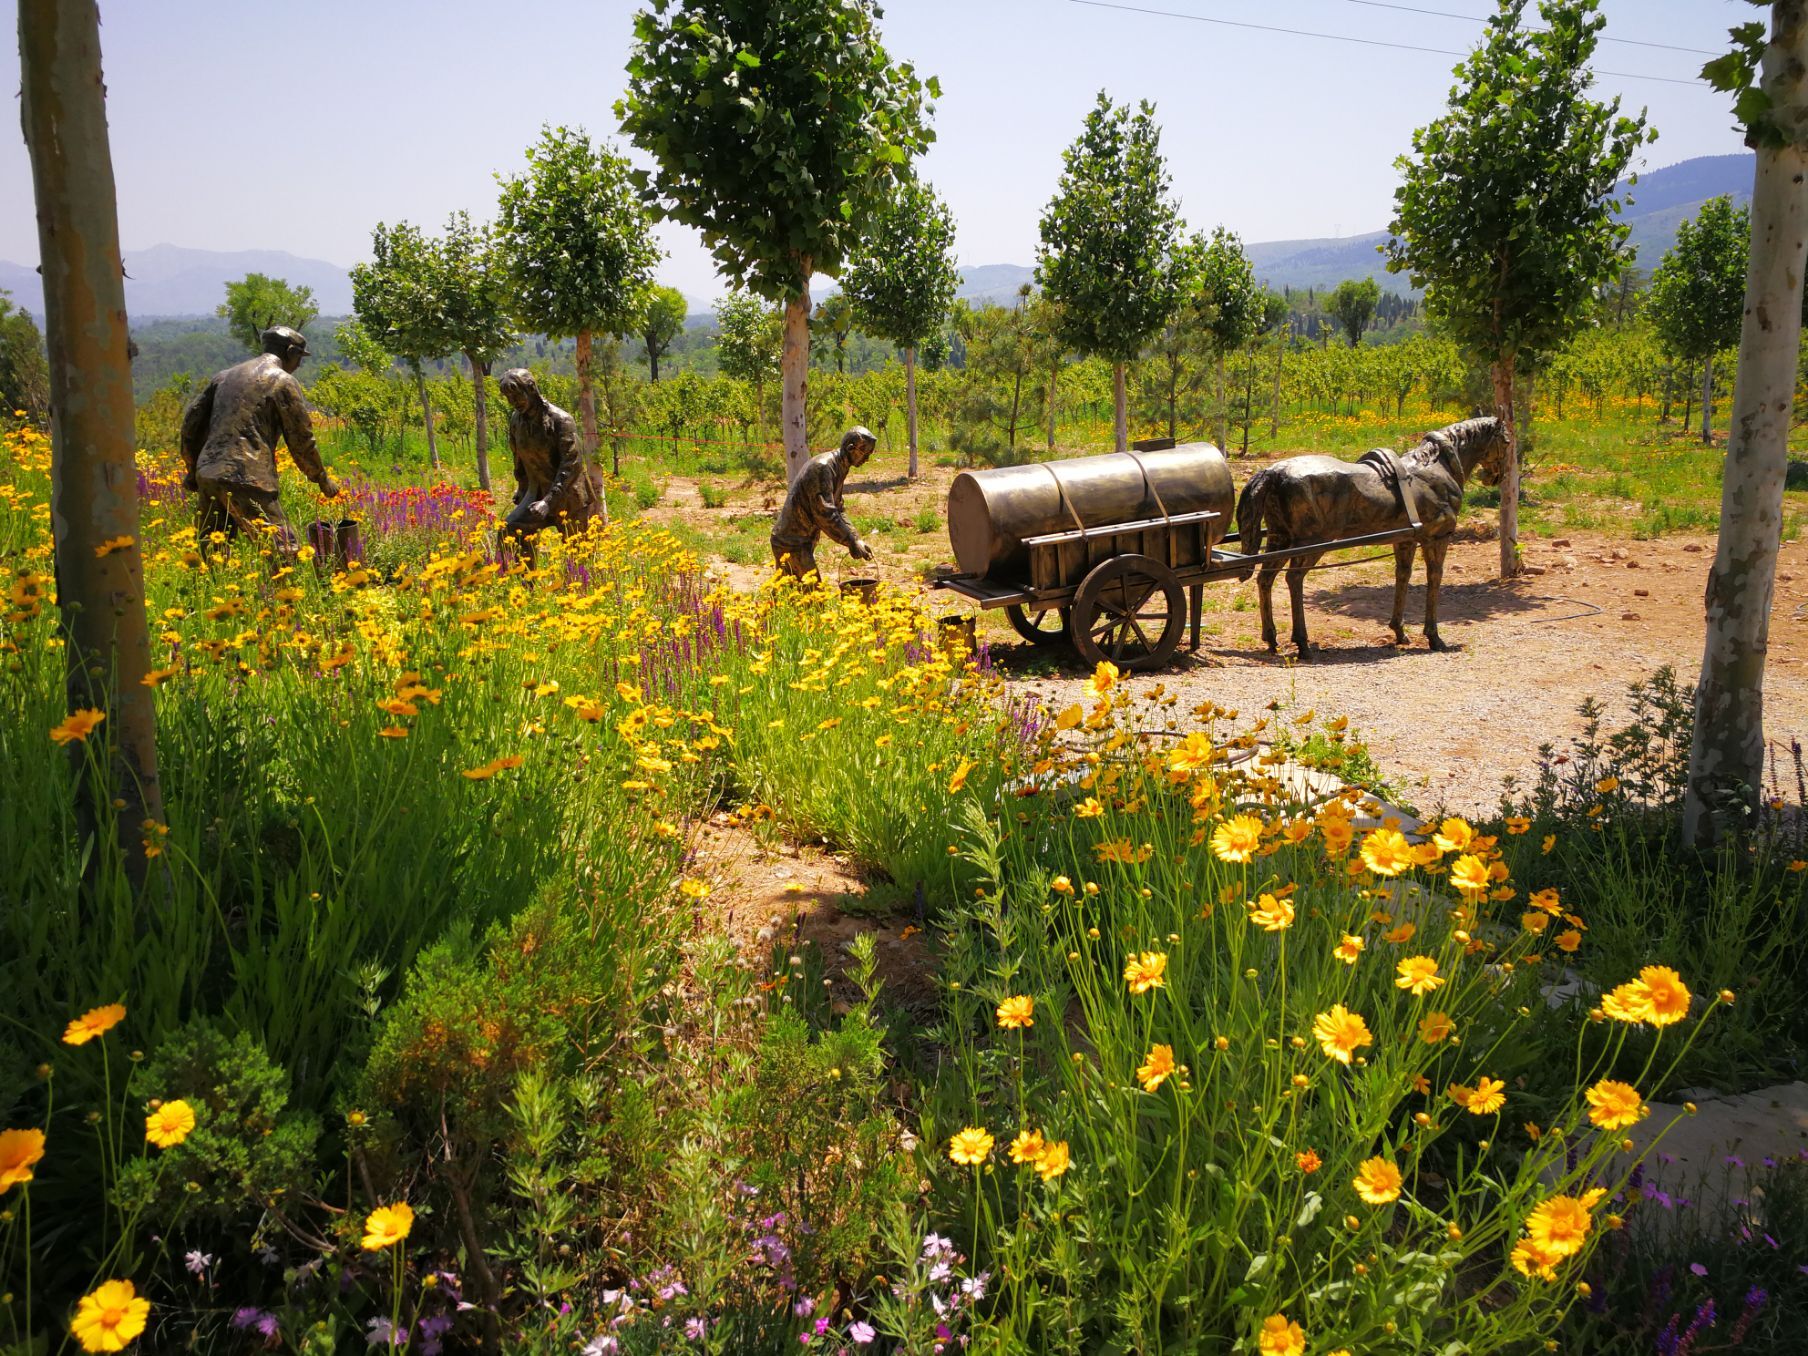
(229, 436)
(813, 507)
(554, 482)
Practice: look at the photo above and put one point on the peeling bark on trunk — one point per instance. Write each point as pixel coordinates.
(420, 385)
(1726, 755)
(1502, 373)
(479, 371)
(910, 404)
(1120, 414)
(1707, 399)
(94, 480)
(794, 374)
(586, 398)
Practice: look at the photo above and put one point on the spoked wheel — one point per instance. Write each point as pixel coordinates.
(1038, 628)
(1130, 610)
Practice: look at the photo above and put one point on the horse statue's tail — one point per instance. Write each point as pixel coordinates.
(1252, 505)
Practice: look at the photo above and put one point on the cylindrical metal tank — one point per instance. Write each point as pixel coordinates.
(990, 512)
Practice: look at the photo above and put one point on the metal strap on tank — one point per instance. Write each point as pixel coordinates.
(1061, 494)
(1149, 484)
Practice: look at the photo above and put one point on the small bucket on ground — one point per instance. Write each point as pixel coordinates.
(337, 545)
(865, 590)
(959, 632)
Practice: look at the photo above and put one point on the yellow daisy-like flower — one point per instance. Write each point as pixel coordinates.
(1607, 785)
(1338, 835)
(1017, 1012)
(1490, 1095)
(1349, 948)
(1271, 914)
(1534, 921)
(95, 1022)
(1104, 677)
(1469, 875)
(77, 725)
(1061, 885)
(1090, 808)
(1626, 1003)
(1518, 824)
(1341, 1033)
(1279, 1337)
(1236, 839)
(387, 1226)
(1436, 1027)
(1156, 1069)
(1027, 1147)
(110, 1317)
(1614, 1105)
(961, 773)
(1401, 935)
(1386, 852)
(1053, 1161)
(1453, 835)
(1418, 975)
(1666, 996)
(1378, 1181)
(1529, 1259)
(20, 1150)
(1559, 1226)
(1193, 754)
(1146, 970)
(1308, 1161)
(169, 1124)
(1548, 900)
(970, 1147)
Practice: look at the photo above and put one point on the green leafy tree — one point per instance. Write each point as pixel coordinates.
(901, 280)
(749, 345)
(1110, 240)
(661, 321)
(834, 320)
(579, 248)
(1505, 214)
(1222, 291)
(1352, 305)
(256, 302)
(400, 301)
(360, 350)
(24, 371)
(775, 130)
(1769, 79)
(474, 302)
(1698, 292)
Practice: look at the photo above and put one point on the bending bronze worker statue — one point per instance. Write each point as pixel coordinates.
(554, 483)
(813, 508)
(229, 436)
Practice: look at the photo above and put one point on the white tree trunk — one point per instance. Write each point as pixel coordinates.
(420, 383)
(910, 403)
(1707, 399)
(479, 372)
(1502, 372)
(1726, 756)
(1121, 415)
(586, 398)
(794, 372)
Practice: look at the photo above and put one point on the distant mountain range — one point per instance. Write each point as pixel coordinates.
(167, 280)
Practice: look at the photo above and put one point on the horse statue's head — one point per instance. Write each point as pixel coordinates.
(1480, 445)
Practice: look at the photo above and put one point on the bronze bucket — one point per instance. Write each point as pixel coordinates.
(865, 590)
(959, 633)
(337, 545)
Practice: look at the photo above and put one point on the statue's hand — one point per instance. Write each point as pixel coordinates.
(540, 509)
(329, 488)
(860, 550)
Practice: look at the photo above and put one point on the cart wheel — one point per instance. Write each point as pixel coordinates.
(1130, 610)
(1038, 628)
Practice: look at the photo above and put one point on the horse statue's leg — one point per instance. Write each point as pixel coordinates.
(1434, 576)
(1403, 559)
(1296, 594)
(1265, 597)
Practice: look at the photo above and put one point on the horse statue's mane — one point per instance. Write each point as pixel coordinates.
(1456, 439)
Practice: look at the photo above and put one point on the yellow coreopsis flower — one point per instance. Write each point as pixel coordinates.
(1559, 1226)
(1614, 1105)
(1666, 996)
(1453, 835)
(1271, 914)
(110, 1317)
(387, 1225)
(1418, 975)
(20, 1150)
(1193, 754)
(1027, 1147)
(1386, 852)
(1090, 808)
(1349, 948)
(77, 725)
(95, 1022)
(1157, 1068)
(971, 1147)
(1017, 1012)
(1340, 1033)
(1378, 1181)
(1436, 1028)
(1053, 1160)
(1279, 1337)
(1569, 940)
(169, 1124)
(1236, 839)
(1103, 678)
(961, 773)
(1488, 1096)
(1146, 970)
(1469, 874)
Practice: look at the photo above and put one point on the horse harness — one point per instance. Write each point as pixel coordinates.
(1394, 474)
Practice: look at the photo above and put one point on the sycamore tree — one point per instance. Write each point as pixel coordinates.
(474, 305)
(579, 248)
(1698, 292)
(1769, 77)
(257, 301)
(1505, 214)
(1352, 305)
(1110, 256)
(399, 297)
(901, 280)
(1222, 292)
(749, 346)
(775, 131)
(661, 321)
(833, 321)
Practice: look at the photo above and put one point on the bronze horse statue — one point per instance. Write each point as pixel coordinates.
(1304, 500)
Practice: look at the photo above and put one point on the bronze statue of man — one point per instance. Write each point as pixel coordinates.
(813, 508)
(554, 483)
(229, 437)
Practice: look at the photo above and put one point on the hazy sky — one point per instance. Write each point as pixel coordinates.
(298, 126)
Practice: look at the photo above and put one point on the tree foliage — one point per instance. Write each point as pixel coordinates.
(748, 337)
(901, 279)
(1353, 304)
(24, 366)
(775, 130)
(1111, 235)
(1222, 292)
(661, 321)
(256, 301)
(474, 292)
(1698, 291)
(400, 295)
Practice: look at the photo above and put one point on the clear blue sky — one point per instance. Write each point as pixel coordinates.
(298, 126)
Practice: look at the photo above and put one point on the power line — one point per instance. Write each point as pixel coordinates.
(1470, 18)
(1341, 37)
